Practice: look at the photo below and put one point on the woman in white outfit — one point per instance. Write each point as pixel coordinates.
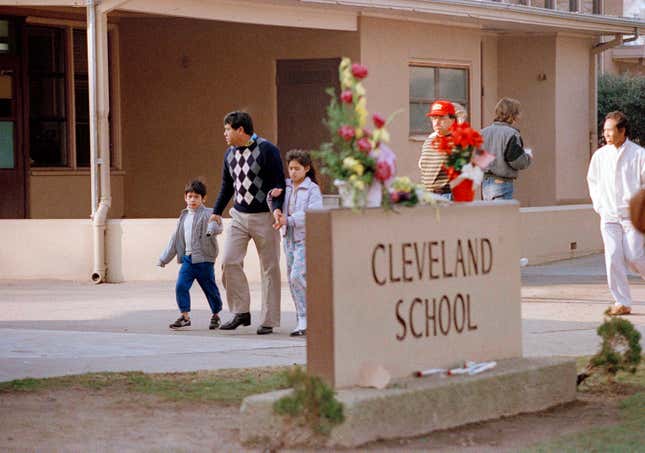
(616, 174)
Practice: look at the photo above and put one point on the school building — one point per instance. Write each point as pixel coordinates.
(108, 107)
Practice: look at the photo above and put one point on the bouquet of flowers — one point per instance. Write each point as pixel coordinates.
(404, 192)
(356, 158)
(466, 160)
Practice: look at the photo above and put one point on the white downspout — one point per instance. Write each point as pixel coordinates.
(99, 133)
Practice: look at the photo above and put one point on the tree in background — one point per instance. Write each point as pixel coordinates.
(627, 94)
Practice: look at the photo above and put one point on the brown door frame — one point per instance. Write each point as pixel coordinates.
(16, 64)
(322, 72)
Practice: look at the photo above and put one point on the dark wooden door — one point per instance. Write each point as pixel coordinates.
(12, 160)
(302, 104)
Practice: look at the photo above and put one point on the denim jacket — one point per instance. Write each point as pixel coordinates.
(307, 196)
(204, 246)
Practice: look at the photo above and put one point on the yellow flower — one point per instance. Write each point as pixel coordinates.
(358, 169)
(349, 163)
(361, 111)
(358, 133)
(360, 89)
(359, 184)
(345, 64)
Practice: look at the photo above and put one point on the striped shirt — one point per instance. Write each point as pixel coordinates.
(433, 177)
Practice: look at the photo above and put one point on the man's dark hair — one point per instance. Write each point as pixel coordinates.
(195, 186)
(239, 119)
(621, 120)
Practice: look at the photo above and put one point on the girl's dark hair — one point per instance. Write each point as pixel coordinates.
(195, 186)
(303, 158)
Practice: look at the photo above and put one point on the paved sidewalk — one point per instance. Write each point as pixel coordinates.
(51, 328)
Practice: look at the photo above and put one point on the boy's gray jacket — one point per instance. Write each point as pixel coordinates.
(505, 143)
(204, 248)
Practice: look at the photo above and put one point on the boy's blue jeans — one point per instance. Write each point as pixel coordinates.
(204, 273)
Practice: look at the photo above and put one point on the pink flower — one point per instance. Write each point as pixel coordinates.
(347, 132)
(347, 97)
(364, 145)
(359, 71)
(378, 120)
(383, 171)
(385, 157)
(395, 197)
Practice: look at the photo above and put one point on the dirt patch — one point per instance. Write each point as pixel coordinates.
(117, 421)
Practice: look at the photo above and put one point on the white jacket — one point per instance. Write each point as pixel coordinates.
(614, 177)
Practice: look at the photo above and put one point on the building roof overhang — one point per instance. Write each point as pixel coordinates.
(490, 16)
(493, 16)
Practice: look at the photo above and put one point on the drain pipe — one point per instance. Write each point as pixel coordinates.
(99, 134)
(618, 40)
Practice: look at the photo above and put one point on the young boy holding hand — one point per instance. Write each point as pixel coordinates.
(194, 242)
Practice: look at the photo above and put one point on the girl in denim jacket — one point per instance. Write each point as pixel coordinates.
(301, 193)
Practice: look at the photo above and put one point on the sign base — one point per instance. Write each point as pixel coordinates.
(417, 406)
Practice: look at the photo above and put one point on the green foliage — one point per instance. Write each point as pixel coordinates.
(620, 349)
(332, 154)
(228, 386)
(311, 399)
(627, 94)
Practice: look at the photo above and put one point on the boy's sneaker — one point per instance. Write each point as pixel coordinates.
(215, 322)
(181, 323)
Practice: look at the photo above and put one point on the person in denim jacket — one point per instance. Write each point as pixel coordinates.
(301, 193)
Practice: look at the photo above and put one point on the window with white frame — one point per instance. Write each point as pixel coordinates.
(431, 82)
(59, 97)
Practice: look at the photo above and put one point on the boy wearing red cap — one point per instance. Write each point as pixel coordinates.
(433, 176)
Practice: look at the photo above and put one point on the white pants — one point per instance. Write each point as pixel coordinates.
(624, 247)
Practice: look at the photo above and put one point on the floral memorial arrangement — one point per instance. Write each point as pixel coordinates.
(357, 158)
(466, 160)
(361, 164)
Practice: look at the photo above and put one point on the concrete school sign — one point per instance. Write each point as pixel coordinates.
(408, 291)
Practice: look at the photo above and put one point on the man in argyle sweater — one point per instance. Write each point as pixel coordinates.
(252, 167)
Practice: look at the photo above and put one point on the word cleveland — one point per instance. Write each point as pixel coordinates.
(410, 261)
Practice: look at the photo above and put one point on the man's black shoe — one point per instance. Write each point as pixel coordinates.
(240, 319)
(215, 322)
(264, 330)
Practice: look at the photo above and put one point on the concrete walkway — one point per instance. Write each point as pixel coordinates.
(51, 328)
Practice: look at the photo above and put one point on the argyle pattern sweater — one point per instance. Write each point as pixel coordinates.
(249, 173)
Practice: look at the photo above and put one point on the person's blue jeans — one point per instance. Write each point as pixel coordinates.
(204, 273)
(494, 188)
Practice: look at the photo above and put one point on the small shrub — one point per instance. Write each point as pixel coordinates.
(311, 399)
(620, 349)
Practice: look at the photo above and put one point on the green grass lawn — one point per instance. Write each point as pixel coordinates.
(628, 435)
(229, 386)
(232, 386)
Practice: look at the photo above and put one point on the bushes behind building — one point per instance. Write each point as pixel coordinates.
(627, 94)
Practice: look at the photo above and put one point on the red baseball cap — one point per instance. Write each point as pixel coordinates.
(441, 108)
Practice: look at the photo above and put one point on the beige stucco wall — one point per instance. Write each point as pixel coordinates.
(62, 249)
(179, 78)
(521, 60)
(490, 69)
(389, 59)
(572, 113)
(67, 195)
